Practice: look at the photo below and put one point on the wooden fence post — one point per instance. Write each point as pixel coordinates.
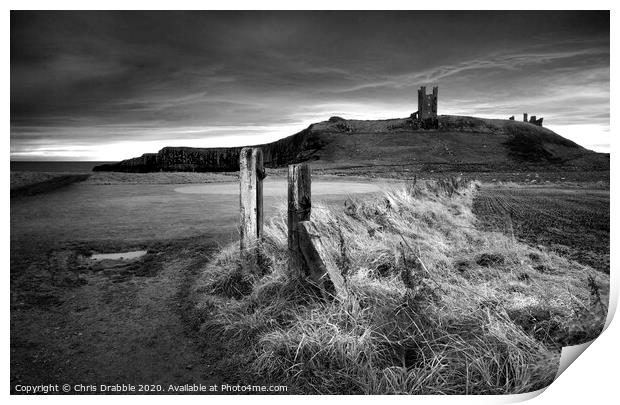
(322, 270)
(308, 256)
(251, 175)
(299, 206)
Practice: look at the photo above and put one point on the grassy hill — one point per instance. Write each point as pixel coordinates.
(460, 144)
(459, 141)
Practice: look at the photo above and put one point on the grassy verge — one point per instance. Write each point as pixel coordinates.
(440, 307)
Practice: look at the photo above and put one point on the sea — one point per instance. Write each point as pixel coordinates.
(55, 166)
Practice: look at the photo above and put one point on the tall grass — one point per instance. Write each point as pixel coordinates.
(436, 307)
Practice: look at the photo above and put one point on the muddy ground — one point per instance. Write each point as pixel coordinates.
(571, 221)
(112, 322)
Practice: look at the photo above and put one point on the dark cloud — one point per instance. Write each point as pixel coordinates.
(87, 82)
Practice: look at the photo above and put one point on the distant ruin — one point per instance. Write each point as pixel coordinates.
(426, 116)
(532, 120)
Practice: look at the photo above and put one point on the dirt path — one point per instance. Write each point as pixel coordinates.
(107, 332)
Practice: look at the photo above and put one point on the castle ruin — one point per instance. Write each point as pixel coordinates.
(533, 120)
(426, 116)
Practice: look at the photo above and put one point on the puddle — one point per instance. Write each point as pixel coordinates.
(119, 256)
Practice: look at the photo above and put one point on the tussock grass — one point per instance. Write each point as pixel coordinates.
(438, 306)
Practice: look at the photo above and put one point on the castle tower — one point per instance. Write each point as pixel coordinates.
(427, 103)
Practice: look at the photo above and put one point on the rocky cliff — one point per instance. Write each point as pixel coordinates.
(296, 148)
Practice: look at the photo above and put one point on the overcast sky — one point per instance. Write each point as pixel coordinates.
(114, 85)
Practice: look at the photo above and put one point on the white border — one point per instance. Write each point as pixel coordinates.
(593, 377)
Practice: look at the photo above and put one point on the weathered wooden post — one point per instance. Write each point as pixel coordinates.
(299, 206)
(308, 256)
(321, 267)
(251, 175)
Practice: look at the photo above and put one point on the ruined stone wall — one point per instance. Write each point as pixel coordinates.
(533, 120)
